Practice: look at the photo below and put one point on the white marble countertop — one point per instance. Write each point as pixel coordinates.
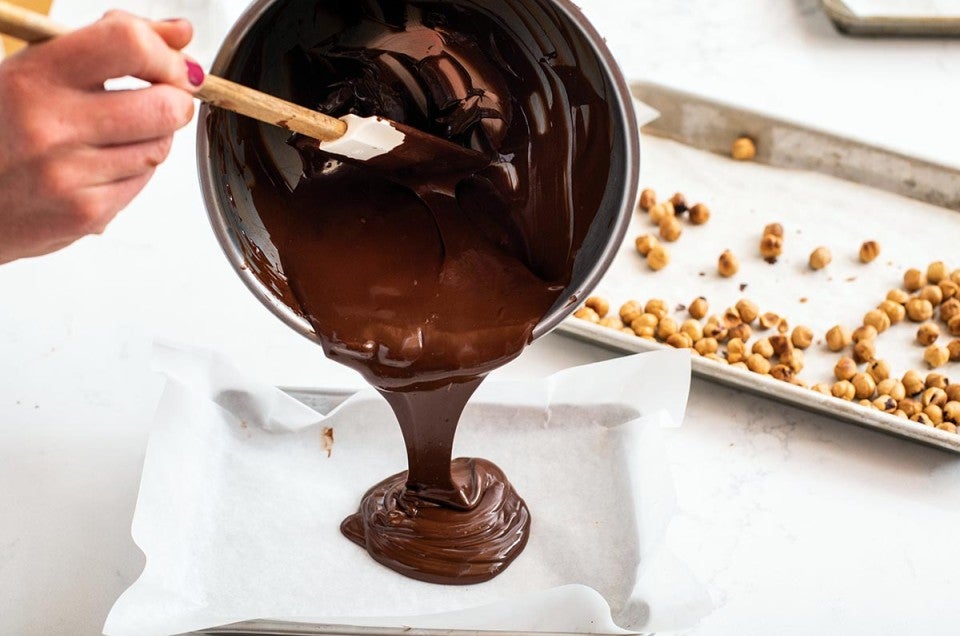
(796, 523)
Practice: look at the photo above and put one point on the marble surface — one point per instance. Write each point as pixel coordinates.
(798, 524)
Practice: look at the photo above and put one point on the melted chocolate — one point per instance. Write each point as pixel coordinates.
(425, 282)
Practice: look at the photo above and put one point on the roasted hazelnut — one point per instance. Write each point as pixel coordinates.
(898, 296)
(645, 320)
(864, 351)
(955, 276)
(773, 229)
(747, 309)
(933, 395)
(838, 337)
(781, 344)
(921, 418)
(693, 329)
(947, 426)
(914, 279)
(648, 199)
(919, 309)
(879, 370)
(894, 310)
(741, 331)
(715, 357)
(892, 387)
(670, 229)
(953, 347)
(771, 247)
(885, 403)
(713, 329)
(802, 337)
(706, 346)
(949, 289)
(951, 411)
(866, 332)
(657, 307)
(699, 214)
(949, 309)
(937, 271)
(630, 311)
(585, 313)
(912, 382)
(844, 390)
(877, 319)
(822, 387)
(643, 331)
(658, 258)
(900, 413)
(612, 322)
(869, 251)
(758, 364)
(845, 368)
(736, 350)
(743, 149)
(933, 293)
(660, 212)
(699, 308)
(936, 381)
(731, 317)
(666, 328)
(768, 320)
(646, 242)
(782, 372)
(679, 202)
(598, 304)
(954, 326)
(953, 392)
(793, 359)
(679, 341)
(936, 356)
(934, 412)
(763, 347)
(728, 265)
(910, 406)
(820, 258)
(739, 365)
(864, 386)
(928, 333)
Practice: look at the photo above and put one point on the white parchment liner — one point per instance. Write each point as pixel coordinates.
(239, 506)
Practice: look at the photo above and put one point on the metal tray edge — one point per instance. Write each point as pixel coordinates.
(848, 22)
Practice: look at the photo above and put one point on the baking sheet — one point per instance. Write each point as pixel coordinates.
(240, 505)
(815, 209)
(927, 18)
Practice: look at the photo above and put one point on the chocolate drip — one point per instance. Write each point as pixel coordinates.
(425, 282)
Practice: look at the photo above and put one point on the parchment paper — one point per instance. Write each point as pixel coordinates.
(240, 506)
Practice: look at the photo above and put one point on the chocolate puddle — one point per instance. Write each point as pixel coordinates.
(425, 282)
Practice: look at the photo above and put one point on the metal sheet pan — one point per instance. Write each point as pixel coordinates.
(851, 23)
(710, 126)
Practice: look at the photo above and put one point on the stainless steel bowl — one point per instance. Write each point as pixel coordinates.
(247, 244)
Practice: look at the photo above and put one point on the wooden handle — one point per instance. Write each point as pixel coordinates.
(33, 27)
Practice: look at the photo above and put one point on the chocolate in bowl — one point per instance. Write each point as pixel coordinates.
(425, 285)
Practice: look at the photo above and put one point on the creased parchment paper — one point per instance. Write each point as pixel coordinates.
(240, 505)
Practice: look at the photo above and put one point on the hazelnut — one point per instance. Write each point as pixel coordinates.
(844, 390)
(820, 258)
(773, 229)
(758, 364)
(877, 319)
(768, 320)
(643, 331)
(793, 359)
(783, 326)
(612, 322)
(949, 289)
(838, 337)
(670, 229)
(598, 304)
(646, 242)
(747, 309)
(885, 403)
(951, 411)
(910, 406)
(921, 418)
(658, 258)
(955, 276)
(898, 296)
(731, 317)
(954, 326)
(892, 387)
(869, 251)
(864, 351)
(715, 357)
(864, 386)
(934, 412)
(666, 328)
(845, 368)
(661, 211)
(935, 396)
(937, 271)
(628, 331)
(936, 381)
(782, 372)
(741, 331)
(727, 264)
(919, 309)
(802, 337)
(949, 309)
(822, 387)
(698, 308)
(928, 333)
(900, 413)
(739, 365)
(953, 392)
(630, 311)
(679, 341)
(879, 370)
(771, 247)
(781, 344)
(645, 320)
(953, 347)
(914, 279)
(743, 149)
(912, 382)
(936, 356)
(947, 426)
(763, 348)
(693, 329)
(585, 313)
(716, 330)
(894, 310)
(706, 346)
(679, 203)
(933, 293)
(657, 307)
(699, 214)
(648, 199)
(866, 332)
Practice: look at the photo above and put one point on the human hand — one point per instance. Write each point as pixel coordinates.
(72, 154)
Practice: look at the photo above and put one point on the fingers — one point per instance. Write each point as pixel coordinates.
(116, 46)
(177, 33)
(122, 117)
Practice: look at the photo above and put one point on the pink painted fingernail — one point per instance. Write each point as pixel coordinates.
(194, 73)
(173, 20)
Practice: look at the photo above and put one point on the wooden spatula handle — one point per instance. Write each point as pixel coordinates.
(33, 27)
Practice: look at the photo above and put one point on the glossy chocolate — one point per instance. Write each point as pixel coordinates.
(424, 281)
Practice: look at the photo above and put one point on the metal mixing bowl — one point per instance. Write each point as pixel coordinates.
(247, 244)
